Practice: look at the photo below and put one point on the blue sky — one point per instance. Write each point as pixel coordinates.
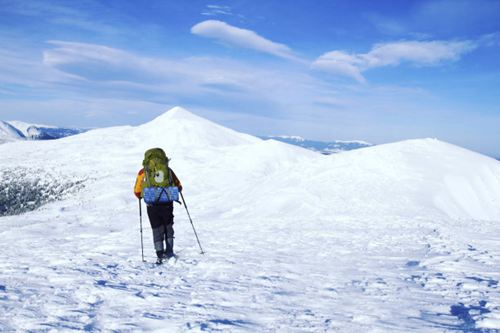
(379, 71)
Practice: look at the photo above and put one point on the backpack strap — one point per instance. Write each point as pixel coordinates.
(163, 190)
(146, 174)
(170, 178)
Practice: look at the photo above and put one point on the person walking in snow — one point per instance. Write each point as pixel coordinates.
(157, 183)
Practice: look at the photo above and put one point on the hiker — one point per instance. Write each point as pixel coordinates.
(159, 186)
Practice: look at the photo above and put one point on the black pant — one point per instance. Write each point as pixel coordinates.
(161, 218)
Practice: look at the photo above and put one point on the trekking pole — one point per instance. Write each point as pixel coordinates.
(140, 222)
(190, 220)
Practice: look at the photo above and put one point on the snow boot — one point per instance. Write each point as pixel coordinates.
(159, 260)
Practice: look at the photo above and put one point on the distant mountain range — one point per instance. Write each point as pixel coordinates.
(18, 130)
(323, 147)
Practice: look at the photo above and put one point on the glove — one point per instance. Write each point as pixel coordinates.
(138, 195)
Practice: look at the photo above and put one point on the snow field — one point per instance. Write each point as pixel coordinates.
(392, 238)
(268, 275)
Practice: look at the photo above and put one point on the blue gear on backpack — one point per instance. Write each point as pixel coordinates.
(159, 195)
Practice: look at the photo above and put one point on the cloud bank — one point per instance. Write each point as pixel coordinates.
(193, 78)
(421, 53)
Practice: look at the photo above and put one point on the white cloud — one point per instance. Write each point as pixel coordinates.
(340, 63)
(417, 52)
(119, 72)
(244, 38)
(423, 53)
(105, 64)
(214, 10)
(21, 68)
(489, 40)
(73, 52)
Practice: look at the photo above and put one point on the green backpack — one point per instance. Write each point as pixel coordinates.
(158, 186)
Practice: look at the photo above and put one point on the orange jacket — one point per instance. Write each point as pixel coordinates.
(140, 178)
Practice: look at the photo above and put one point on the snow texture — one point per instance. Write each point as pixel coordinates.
(392, 238)
(25, 189)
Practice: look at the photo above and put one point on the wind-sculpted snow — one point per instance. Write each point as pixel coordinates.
(23, 189)
(393, 238)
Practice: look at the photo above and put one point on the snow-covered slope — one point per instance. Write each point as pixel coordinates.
(415, 178)
(9, 133)
(397, 237)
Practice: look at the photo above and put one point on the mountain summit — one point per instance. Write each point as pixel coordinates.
(178, 113)
(181, 128)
